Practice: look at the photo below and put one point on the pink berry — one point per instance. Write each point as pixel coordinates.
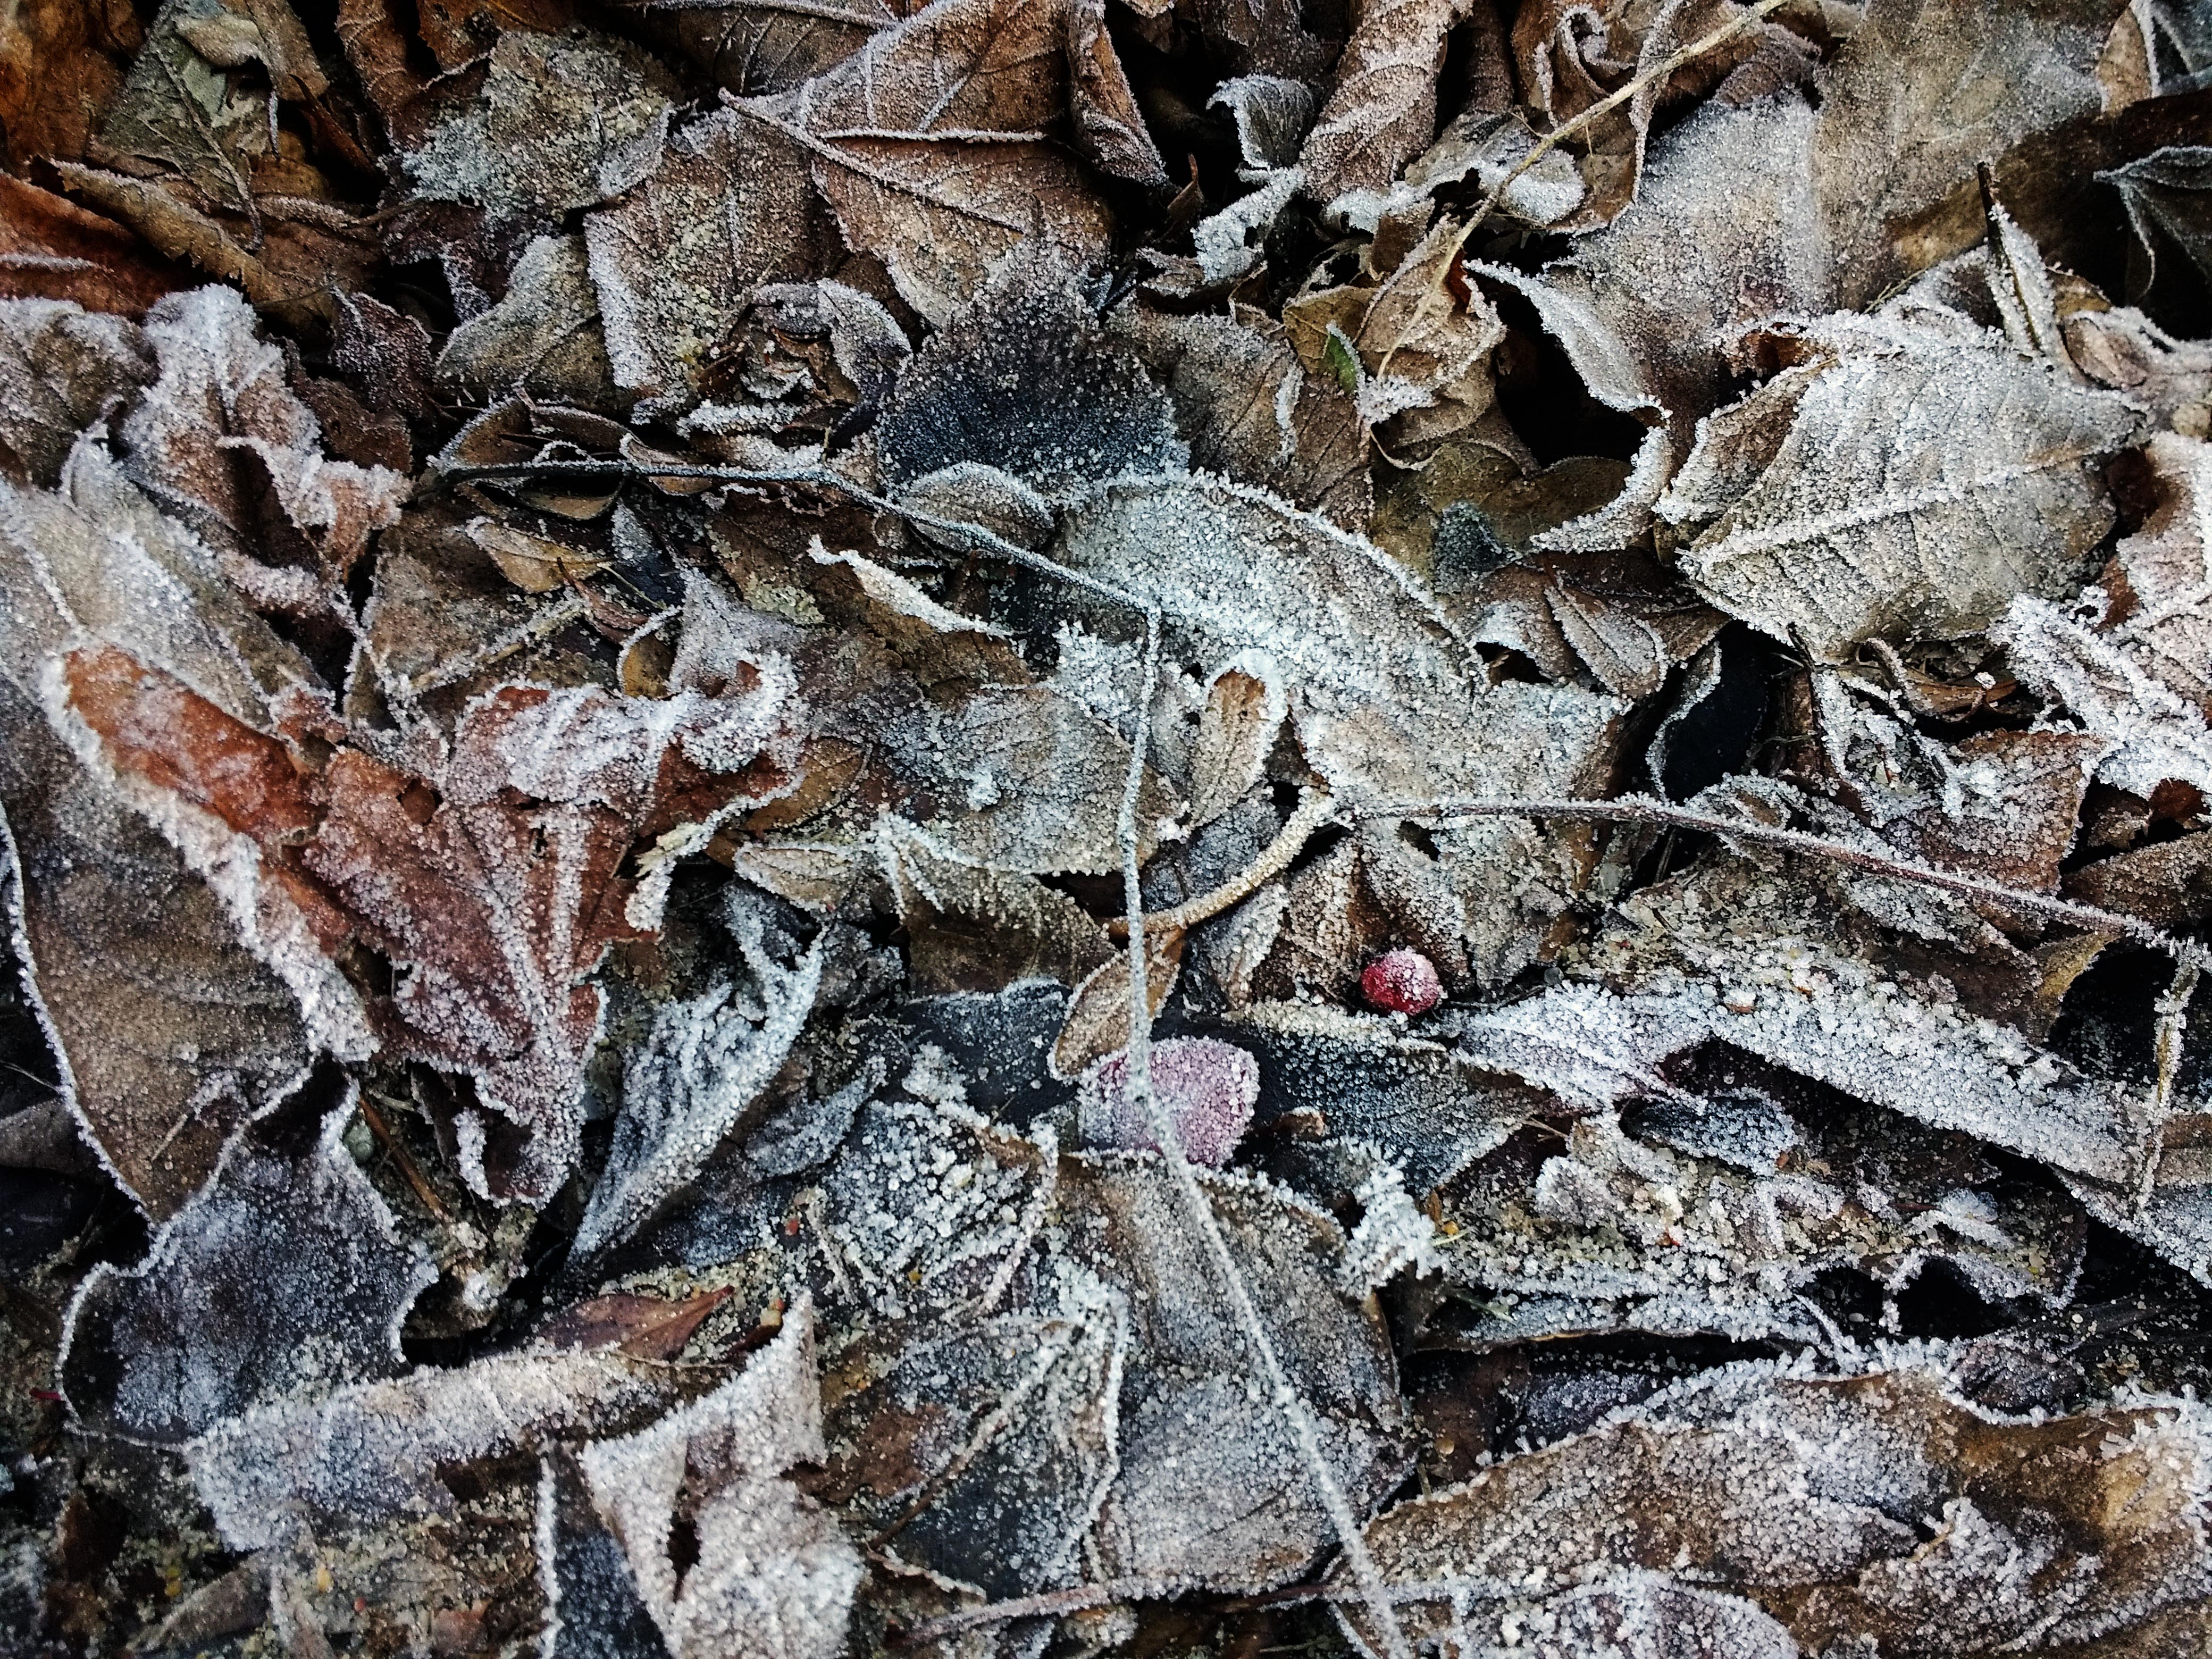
(1402, 982)
(1208, 1088)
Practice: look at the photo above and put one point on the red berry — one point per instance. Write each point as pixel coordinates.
(1402, 982)
(1208, 1088)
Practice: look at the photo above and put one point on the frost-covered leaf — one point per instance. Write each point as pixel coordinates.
(977, 928)
(374, 1450)
(979, 1453)
(289, 523)
(2162, 577)
(706, 1061)
(593, 1608)
(1761, 962)
(1724, 232)
(1389, 706)
(1834, 502)
(1413, 1101)
(1209, 1485)
(1697, 1222)
(770, 1574)
(1023, 379)
(563, 122)
(166, 1030)
(2154, 733)
(730, 207)
(1386, 699)
(497, 886)
(925, 142)
(929, 1206)
(544, 337)
(2000, 804)
(287, 1273)
(1250, 411)
(1916, 97)
(753, 46)
(1789, 1490)
(1381, 106)
(62, 370)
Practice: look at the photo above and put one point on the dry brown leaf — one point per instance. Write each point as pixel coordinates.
(1917, 97)
(1250, 410)
(668, 283)
(1788, 1490)
(1381, 107)
(60, 68)
(50, 248)
(1243, 712)
(563, 122)
(928, 142)
(2168, 884)
(756, 47)
(497, 887)
(1099, 1016)
(1825, 508)
(167, 1031)
(642, 1327)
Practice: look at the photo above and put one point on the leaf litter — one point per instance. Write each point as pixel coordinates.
(1064, 829)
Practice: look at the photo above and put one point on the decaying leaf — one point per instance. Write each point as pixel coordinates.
(1205, 1487)
(1696, 1484)
(772, 1575)
(587, 713)
(467, 886)
(563, 122)
(287, 1273)
(1819, 504)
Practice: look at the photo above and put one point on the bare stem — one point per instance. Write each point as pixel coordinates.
(1314, 808)
(816, 478)
(1199, 1210)
(1642, 809)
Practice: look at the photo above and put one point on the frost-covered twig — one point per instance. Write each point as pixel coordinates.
(819, 477)
(1315, 809)
(2172, 1024)
(1642, 809)
(1199, 1210)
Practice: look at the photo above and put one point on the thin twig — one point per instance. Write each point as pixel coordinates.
(2173, 1011)
(1315, 807)
(1200, 1209)
(820, 477)
(1642, 809)
(1658, 72)
(408, 1168)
